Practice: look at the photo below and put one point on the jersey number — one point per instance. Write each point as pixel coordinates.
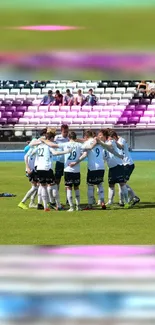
(72, 155)
(97, 152)
(41, 152)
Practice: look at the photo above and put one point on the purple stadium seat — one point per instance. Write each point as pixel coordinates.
(133, 120)
(0, 114)
(104, 114)
(75, 108)
(61, 114)
(23, 120)
(27, 102)
(141, 107)
(82, 114)
(29, 114)
(34, 121)
(123, 120)
(130, 107)
(137, 113)
(72, 114)
(6, 102)
(3, 120)
(2, 108)
(21, 109)
(50, 114)
(67, 120)
(17, 114)
(149, 113)
(32, 109)
(10, 109)
(17, 102)
(93, 114)
(77, 120)
(6, 114)
(145, 101)
(12, 120)
(144, 119)
(99, 120)
(127, 113)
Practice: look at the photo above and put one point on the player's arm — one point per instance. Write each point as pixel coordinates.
(29, 154)
(120, 146)
(59, 153)
(35, 143)
(80, 140)
(49, 143)
(82, 157)
(110, 148)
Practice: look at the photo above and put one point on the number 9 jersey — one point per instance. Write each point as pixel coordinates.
(95, 156)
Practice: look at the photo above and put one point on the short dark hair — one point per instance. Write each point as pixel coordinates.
(90, 89)
(104, 132)
(113, 133)
(50, 92)
(57, 92)
(67, 90)
(72, 135)
(64, 127)
(88, 134)
(43, 131)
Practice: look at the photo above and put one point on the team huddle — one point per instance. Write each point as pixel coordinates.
(105, 147)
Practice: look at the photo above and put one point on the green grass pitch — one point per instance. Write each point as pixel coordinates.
(117, 226)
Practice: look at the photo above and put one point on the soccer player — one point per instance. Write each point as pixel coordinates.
(128, 166)
(116, 168)
(45, 173)
(95, 173)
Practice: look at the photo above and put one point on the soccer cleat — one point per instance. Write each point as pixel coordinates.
(33, 206)
(88, 207)
(78, 208)
(40, 207)
(127, 206)
(121, 204)
(52, 206)
(135, 200)
(108, 205)
(71, 210)
(103, 206)
(22, 206)
(60, 208)
(47, 210)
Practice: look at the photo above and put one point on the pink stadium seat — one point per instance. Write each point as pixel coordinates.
(32, 109)
(77, 120)
(151, 107)
(29, 115)
(75, 108)
(89, 120)
(108, 108)
(111, 120)
(56, 120)
(42, 108)
(123, 102)
(144, 119)
(104, 114)
(67, 120)
(0, 114)
(71, 114)
(99, 120)
(93, 114)
(149, 113)
(112, 102)
(86, 108)
(82, 114)
(102, 101)
(152, 120)
(60, 114)
(97, 108)
(116, 114)
(34, 121)
(39, 115)
(45, 120)
(50, 114)
(53, 108)
(23, 120)
(119, 108)
(64, 108)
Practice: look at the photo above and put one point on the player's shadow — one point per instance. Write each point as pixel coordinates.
(145, 205)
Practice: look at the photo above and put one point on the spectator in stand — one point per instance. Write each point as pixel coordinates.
(68, 98)
(79, 99)
(58, 98)
(48, 99)
(151, 89)
(91, 99)
(142, 88)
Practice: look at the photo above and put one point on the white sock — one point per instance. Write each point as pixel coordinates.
(69, 197)
(29, 193)
(56, 196)
(33, 196)
(125, 193)
(50, 193)
(44, 195)
(39, 195)
(121, 197)
(100, 192)
(77, 197)
(130, 191)
(111, 194)
(90, 194)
